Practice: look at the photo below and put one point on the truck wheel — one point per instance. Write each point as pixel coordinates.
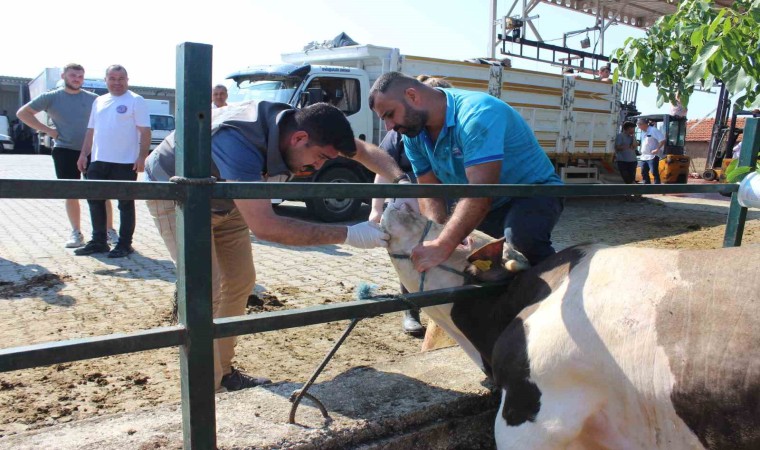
(335, 209)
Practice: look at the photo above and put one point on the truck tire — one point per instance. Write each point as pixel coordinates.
(335, 209)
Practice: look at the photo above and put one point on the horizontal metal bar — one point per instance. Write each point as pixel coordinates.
(280, 320)
(292, 191)
(53, 189)
(47, 353)
(92, 189)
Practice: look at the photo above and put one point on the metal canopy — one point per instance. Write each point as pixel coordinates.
(636, 13)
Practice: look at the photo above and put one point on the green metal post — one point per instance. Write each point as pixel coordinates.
(193, 139)
(737, 214)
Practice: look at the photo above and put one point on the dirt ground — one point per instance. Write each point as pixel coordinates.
(68, 392)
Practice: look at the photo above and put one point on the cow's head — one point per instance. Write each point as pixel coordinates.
(496, 261)
(492, 261)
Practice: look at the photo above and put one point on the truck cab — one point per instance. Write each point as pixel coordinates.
(303, 85)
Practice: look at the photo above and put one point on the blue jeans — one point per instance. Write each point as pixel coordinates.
(650, 165)
(527, 224)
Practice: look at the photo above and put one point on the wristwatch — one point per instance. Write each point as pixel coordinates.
(402, 177)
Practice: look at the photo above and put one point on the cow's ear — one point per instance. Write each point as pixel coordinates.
(485, 262)
(489, 252)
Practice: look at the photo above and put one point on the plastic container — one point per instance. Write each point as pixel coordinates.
(749, 191)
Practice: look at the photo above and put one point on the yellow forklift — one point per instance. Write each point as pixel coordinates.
(674, 164)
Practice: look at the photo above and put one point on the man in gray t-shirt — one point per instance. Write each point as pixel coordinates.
(625, 152)
(69, 109)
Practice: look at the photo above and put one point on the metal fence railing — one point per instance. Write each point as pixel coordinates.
(196, 325)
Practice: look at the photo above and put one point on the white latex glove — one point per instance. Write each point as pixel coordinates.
(366, 235)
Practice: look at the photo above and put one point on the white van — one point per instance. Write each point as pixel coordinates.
(6, 142)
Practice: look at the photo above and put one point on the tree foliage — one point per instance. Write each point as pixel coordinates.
(699, 43)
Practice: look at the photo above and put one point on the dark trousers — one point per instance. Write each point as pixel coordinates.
(527, 224)
(627, 171)
(100, 170)
(650, 165)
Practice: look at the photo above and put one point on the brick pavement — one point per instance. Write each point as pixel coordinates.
(131, 293)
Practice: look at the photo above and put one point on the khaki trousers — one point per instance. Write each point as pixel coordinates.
(233, 275)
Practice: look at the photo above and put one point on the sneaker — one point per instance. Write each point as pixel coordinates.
(76, 239)
(113, 236)
(92, 247)
(121, 251)
(237, 380)
(411, 324)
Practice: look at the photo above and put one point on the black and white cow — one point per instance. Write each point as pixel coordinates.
(607, 348)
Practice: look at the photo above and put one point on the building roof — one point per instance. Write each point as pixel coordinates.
(636, 13)
(697, 131)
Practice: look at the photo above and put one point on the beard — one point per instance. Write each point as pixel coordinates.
(414, 121)
(70, 86)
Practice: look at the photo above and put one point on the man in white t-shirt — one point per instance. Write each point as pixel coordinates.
(652, 144)
(118, 140)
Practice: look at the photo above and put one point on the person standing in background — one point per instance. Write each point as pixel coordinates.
(69, 109)
(653, 142)
(219, 96)
(118, 138)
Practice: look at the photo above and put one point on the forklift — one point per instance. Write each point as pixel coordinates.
(719, 155)
(674, 164)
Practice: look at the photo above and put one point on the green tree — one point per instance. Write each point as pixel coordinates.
(699, 43)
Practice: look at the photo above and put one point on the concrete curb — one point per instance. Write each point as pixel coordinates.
(434, 400)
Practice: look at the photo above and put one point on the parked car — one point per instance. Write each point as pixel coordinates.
(6, 142)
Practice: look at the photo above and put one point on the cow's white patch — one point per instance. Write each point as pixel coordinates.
(597, 333)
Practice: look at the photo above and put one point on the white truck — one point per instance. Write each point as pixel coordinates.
(575, 120)
(161, 121)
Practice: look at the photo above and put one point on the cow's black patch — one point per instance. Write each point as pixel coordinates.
(712, 342)
(523, 399)
(494, 328)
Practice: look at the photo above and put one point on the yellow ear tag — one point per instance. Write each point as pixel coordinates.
(483, 265)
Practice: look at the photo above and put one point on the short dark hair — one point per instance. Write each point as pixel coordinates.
(607, 67)
(72, 66)
(117, 67)
(326, 125)
(221, 86)
(391, 80)
(627, 125)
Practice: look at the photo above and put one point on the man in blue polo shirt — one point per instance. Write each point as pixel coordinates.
(454, 136)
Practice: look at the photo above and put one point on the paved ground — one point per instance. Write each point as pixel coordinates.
(47, 293)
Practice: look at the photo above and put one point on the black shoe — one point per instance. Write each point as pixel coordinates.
(237, 380)
(92, 247)
(121, 251)
(412, 325)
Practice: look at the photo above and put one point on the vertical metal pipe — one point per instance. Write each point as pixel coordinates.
(193, 161)
(737, 214)
(492, 27)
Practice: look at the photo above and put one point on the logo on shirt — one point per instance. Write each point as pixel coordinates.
(121, 109)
